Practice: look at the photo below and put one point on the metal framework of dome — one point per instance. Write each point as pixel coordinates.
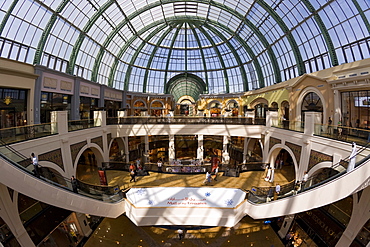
(233, 46)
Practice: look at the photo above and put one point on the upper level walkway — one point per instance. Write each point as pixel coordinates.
(108, 202)
(328, 192)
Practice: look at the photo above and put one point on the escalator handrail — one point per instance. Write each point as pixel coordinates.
(334, 166)
(89, 191)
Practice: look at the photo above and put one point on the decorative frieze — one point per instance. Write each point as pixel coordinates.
(50, 83)
(54, 156)
(296, 149)
(98, 141)
(75, 149)
(317, 157)
(273, 141)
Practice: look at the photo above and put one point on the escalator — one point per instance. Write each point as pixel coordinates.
(103, 201)
(337, 186)
(53, 189)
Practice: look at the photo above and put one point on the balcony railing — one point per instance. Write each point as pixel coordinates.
(266, 194)
(186, 120)
(343, 133)
(23, 133)
(289, 125)
(74, 125)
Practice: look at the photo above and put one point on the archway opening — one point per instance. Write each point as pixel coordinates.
(284, 164)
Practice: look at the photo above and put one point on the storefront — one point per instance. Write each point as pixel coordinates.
(87, 107)
(13, 107)
(53, 102)
(356, 109)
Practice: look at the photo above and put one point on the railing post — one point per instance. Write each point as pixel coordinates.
(268, 119)
(311, 120)
(121, 114)
(100, 118)
(272, 118)
(59, 122)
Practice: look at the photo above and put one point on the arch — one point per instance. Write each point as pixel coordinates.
(231, 108)
(321, 169)
(159, 102)
(214, 104)
(300, 99)
(137, 104)
(98, 152)
(274, 105)
(258, 101)
(186, 84)
(229, 102)
(121, 147)
(186, 99)
(51, 165)
(274, 151)
(251, 144)
(318, 167)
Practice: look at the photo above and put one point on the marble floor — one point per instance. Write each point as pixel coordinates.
(122, 232)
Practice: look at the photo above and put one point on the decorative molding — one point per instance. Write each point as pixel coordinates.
(84, 89)
(273, 141)
(75, 149)
(66, 86)
(318, 157)
(95, 91)
(98, 141)
(50, 83)
(109, 138)
(54, 156)
(296, 149)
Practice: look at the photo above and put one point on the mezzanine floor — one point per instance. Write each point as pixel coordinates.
(122, 232)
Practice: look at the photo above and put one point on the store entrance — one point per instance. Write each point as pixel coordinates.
(7, 117)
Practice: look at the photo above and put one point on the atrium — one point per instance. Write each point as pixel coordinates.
(265, 91)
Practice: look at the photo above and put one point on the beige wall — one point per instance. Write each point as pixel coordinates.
(19, 75)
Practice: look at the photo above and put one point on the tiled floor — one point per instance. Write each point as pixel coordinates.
(122, 232)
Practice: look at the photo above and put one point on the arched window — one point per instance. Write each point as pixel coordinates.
(260, 111)
(311, 102)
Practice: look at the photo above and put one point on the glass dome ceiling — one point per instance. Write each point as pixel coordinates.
(232, 45)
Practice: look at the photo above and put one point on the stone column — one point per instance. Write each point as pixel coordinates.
(146, 151)
(171, 147)
(200, 150)
(127, 151)
(245, 149)
(75, 100)
(100, 118)
(225, 153)
(312, 123)
(122, 113)
(59, 122)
